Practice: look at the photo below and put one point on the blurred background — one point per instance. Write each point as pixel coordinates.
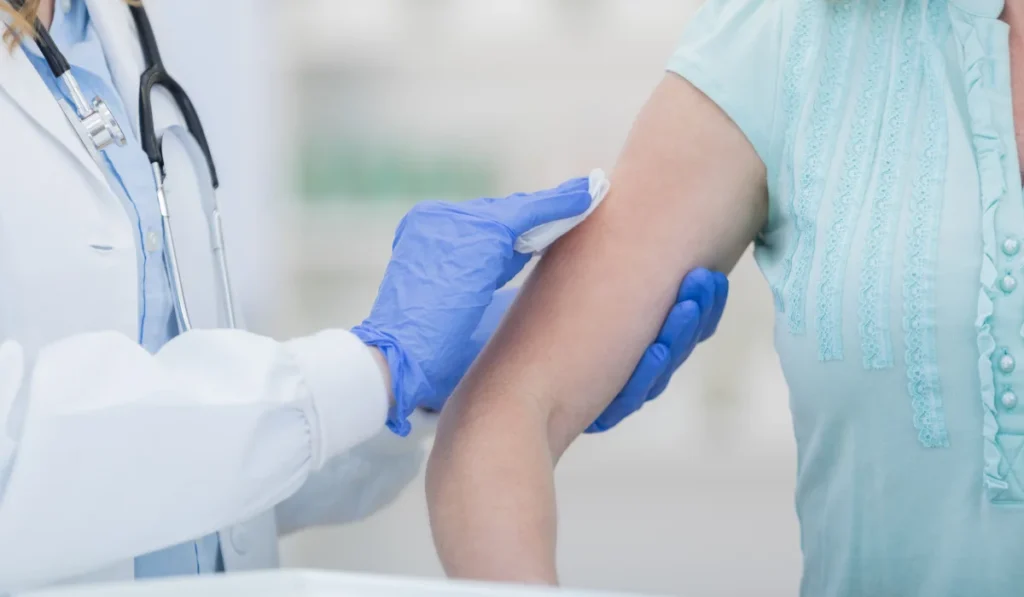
(330, 118)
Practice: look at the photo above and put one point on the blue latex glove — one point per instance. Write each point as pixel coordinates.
(489, 322)
(447, 261)
(693, 319)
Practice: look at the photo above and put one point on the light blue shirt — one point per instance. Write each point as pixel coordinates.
(77, 39)
(895, 254)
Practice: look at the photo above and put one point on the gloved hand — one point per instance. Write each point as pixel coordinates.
(447, 261)
(693, 319)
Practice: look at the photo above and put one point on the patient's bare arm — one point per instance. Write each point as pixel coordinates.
(688, 191)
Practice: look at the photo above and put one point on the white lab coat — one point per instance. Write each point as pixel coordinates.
(108, 452)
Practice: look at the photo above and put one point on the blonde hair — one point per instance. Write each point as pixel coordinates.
(22, 21)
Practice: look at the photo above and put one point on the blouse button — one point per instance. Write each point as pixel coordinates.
(1009, 399)
(152, 242)
(1011, 246)
(1007, 363)
(239, 540)
(1008, 283)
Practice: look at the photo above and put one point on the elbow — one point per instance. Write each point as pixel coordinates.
(562, 430)
(477, 430)
(487, 479)
(436, 471)
(443, 487)
(454, 455)
(475, 440)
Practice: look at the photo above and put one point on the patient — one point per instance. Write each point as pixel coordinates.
(868, 148)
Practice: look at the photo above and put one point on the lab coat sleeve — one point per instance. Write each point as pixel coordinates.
(107, 451)
(360, 482)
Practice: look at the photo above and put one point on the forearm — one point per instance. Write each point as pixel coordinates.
(493, 511)
(94, 418)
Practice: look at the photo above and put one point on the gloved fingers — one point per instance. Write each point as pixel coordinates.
(580, 183)
(681, 345)
(677, 337)
(573, 184)
(681, 317)
(539, 209)
(699, 286)
(721, 297)
(687, 332)
(679, 334)
(652, 364)
(510, 204)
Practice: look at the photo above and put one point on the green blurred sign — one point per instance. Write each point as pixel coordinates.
(339, 171)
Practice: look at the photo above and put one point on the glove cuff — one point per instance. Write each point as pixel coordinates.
(408, 382)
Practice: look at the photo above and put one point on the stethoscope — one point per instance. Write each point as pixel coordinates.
(98, 130)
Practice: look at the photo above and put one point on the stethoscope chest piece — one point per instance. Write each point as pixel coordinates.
(94, 117)
(102, 127)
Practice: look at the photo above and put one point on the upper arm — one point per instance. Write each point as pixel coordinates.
(688, 191)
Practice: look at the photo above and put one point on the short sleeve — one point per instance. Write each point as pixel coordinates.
(732, 51)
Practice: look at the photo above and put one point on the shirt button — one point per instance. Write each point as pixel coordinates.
(152, 242)
(1011, 246)
(1007, 364)
(65, 5)
(1009, 399)
(1008, 283)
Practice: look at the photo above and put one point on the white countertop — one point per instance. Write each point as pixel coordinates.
(301, 583)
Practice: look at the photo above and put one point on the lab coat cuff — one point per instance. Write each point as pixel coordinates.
(349, 392)
(410, 384)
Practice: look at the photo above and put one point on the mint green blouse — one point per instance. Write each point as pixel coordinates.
(893, 250)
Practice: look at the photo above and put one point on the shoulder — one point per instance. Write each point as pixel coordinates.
(734, 51)
(762, 60)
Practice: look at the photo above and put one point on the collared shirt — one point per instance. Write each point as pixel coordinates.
(76, 38)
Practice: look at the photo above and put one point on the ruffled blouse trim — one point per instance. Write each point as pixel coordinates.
(973, 23)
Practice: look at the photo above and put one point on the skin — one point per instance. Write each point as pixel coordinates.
(1013, 15)
(46, 12)
(688, 179)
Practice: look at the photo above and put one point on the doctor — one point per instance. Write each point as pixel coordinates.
(132, 446)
